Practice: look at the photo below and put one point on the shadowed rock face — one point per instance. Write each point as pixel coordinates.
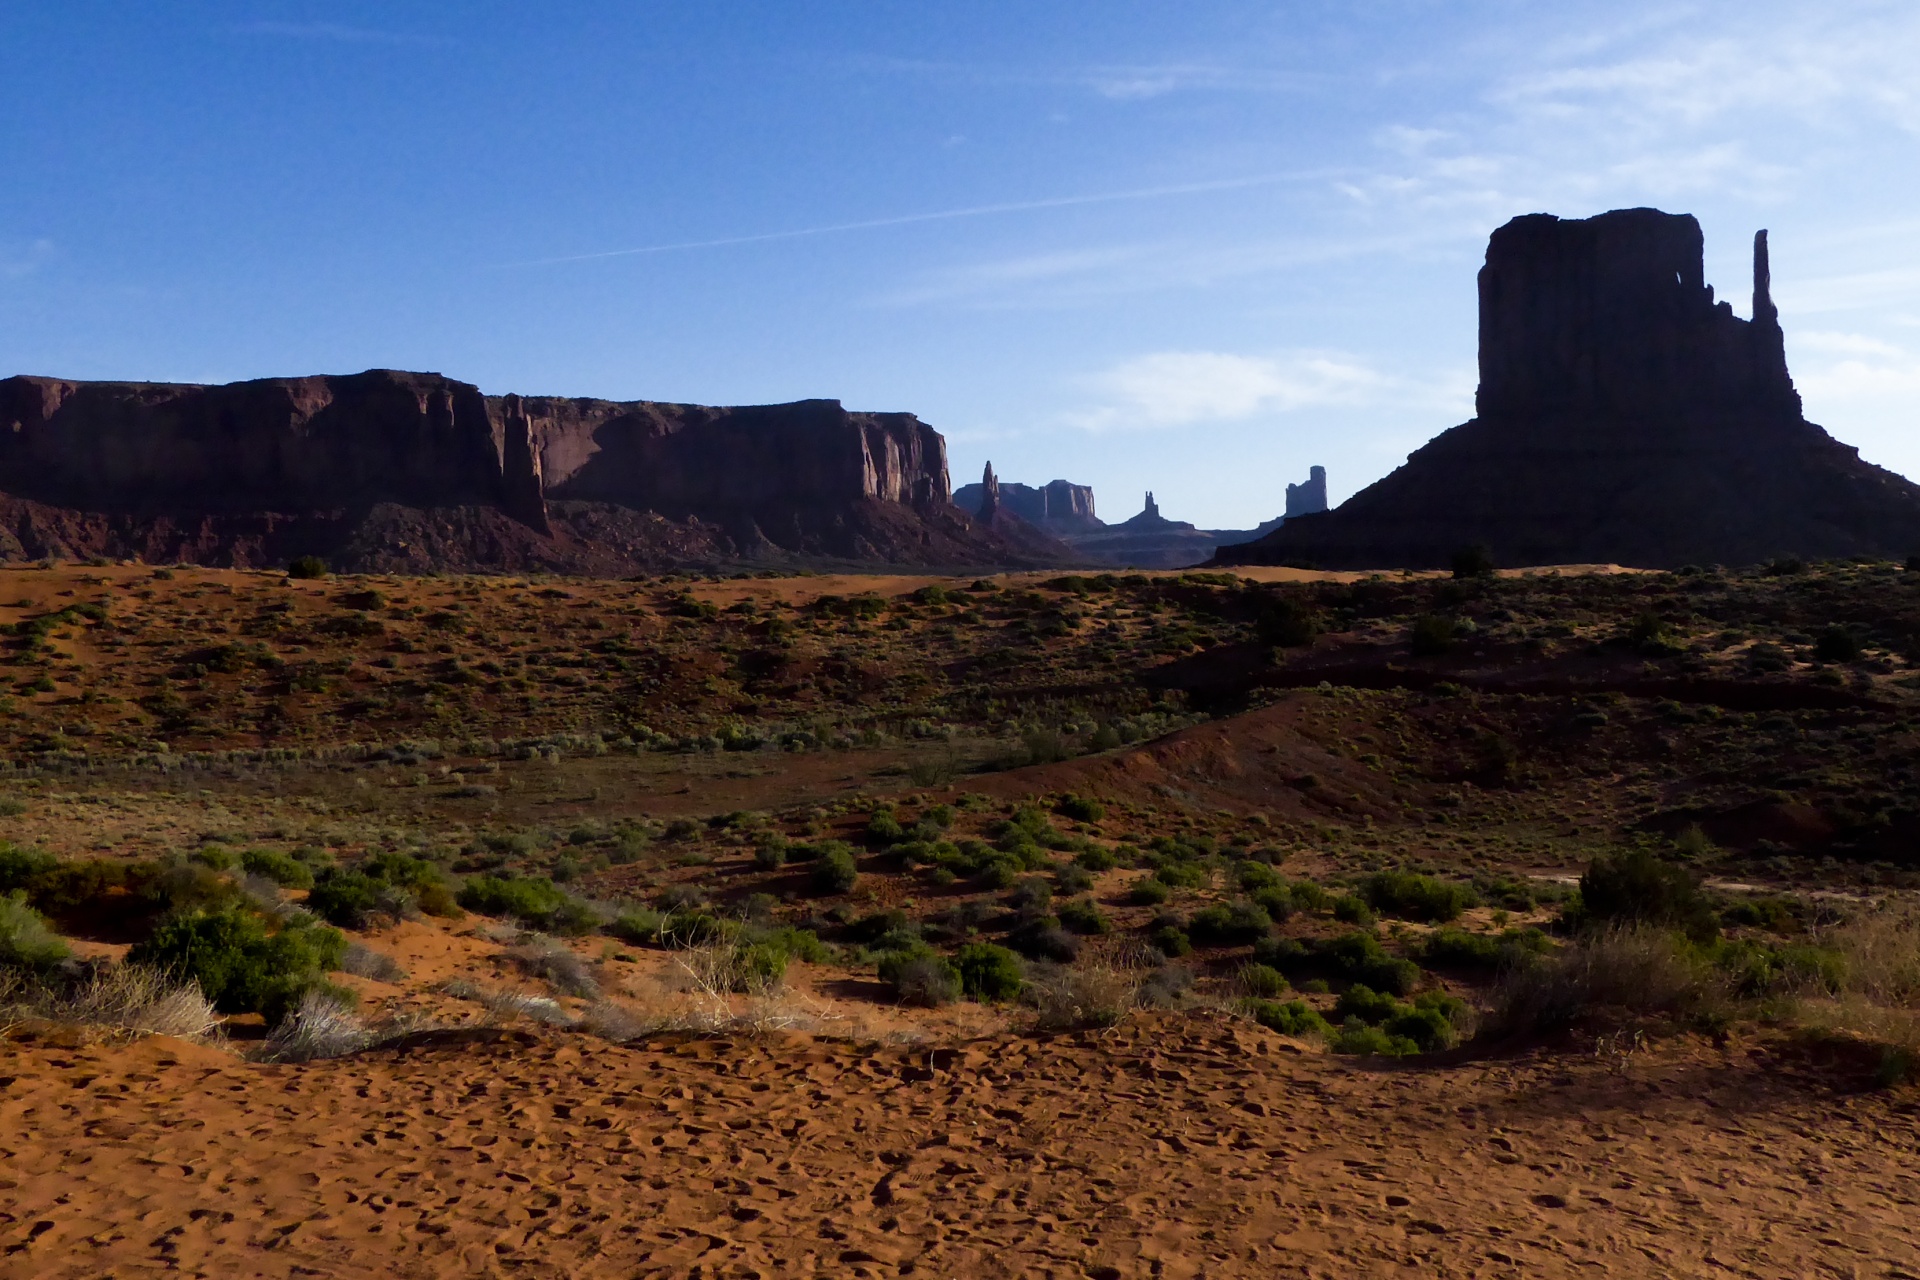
(1623, 416)
(1059, 506)
(307, 460)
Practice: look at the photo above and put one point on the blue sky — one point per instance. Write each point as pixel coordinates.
(1191, 247)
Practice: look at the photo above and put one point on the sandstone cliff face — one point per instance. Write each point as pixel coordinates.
(1625, 417)
(1059, 506)
(250, 469)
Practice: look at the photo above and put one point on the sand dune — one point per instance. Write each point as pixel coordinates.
(1172, 1147)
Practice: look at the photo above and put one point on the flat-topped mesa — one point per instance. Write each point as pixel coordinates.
(321, 453)
(1057, 506)
(1624, 416)
(1610, 316)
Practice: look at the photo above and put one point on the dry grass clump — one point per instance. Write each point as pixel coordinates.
(731, 989)
(124, 999)
(1879, 996)
(560, 968)
(509, 1005)
(317, 1027)
(364, 962)
(1627, 971)
(1099, 991)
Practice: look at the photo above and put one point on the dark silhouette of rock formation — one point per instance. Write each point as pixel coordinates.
(1623, 416)
(1307, 499)
(396, 470)
(1147, 541)
(1058, 507)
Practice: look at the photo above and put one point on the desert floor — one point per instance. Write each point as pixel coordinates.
(1172, 1146)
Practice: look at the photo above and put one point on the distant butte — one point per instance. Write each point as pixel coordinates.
(396, 471)
(1623, 416)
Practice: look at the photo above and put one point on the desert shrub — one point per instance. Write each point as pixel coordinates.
(283, 869)
(355, 900)
(1475, 561)
(118, 997)
(25, 940)
(1308, 896)
(1837, 644)
(1431, 634)
(638, 925)
(1182, 875)
(1081, 808)
(1416, 897)
(1356, 957)
(240, 966)
(532, 900)
(989, 973)
(1072, 879)
(1042, 938)
(998, 873)
(1293, 1018)
(1170, 940)
(1274, 899)
(771, 855)
(1262, 980)
(1363, 1002)
(217, 856)
(1755, 969)
(1253, 875)
(552, 963)
(1775, 915)
(1030, 894)
(364, 962)
(1352, 909)
(317, 1027)
(1096, 858)
(834, 872)
(1083, 915)
(1094, 995)
(884, 829)
(1285, 623)
(1360, 1038)
(1632, 886)
(1451, 948)
(1632, 970)
(307, 567)
(921, 977)
(793, 942)
(1234, 924)
(1150, 892)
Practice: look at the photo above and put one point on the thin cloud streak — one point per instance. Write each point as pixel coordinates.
(943, 215)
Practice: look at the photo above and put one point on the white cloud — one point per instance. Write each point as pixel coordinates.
(1185, 388)
(1855, 367)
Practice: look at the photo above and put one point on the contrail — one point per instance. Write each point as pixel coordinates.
(943, 215)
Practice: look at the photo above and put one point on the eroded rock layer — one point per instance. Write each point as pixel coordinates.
(1624, 416)
(415, 470)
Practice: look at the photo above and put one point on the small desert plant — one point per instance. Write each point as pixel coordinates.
(1081, 808)
(125, 998)
(307, 567)
(1432, 634)
(1150, 892)
(25, 940)
(283, 869)
(1097, 994)
(1293, 1018)
(1234, 924)
(1634, 887)
(1083, 915)
(316, 1027)
(560, 968)
(241, 967)
(989, 973)
(1416, 897)
(533, 900)
(1626, 970)
(921, 977)
(1262, 981)
(1475, 561)
(834, 872)
(364, 962)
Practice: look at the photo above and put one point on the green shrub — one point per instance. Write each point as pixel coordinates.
(1416, 897)
(532, 900)
(307, 567)
(1452, 948)
(1357, 957)
(1359, 1038)
(1837, 644)
(921, 977)
(1231, 925)
(1083, 915)
(237, 963)
(282, 869)
(1182, 875)
(1150, 892)
(1475, 561)
(1294, 1018)
(1308, 896)
(217, 856)
(834, 872)
(1262, 980)
(884, 829)
(1097, 858)
(1353, 910)
(1634, 887)
(1171, 941)
(772, 855)
(638, 925)
(1081, 808)
(1363, 1002)
(25, 940)
(1285, 623)
(1276, 900)
(989, 973)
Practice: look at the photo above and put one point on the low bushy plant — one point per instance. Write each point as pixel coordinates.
(1416, 897)
(1293, 1018)
(283, 869)
(238, 963)
(989, 973)
(921, 977)
(25, 940)
(834, 872)
(532, 900)
(1632, 887)
(1230, 925)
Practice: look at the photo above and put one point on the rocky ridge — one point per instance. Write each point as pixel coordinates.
(1624, 416)
(405, 471)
